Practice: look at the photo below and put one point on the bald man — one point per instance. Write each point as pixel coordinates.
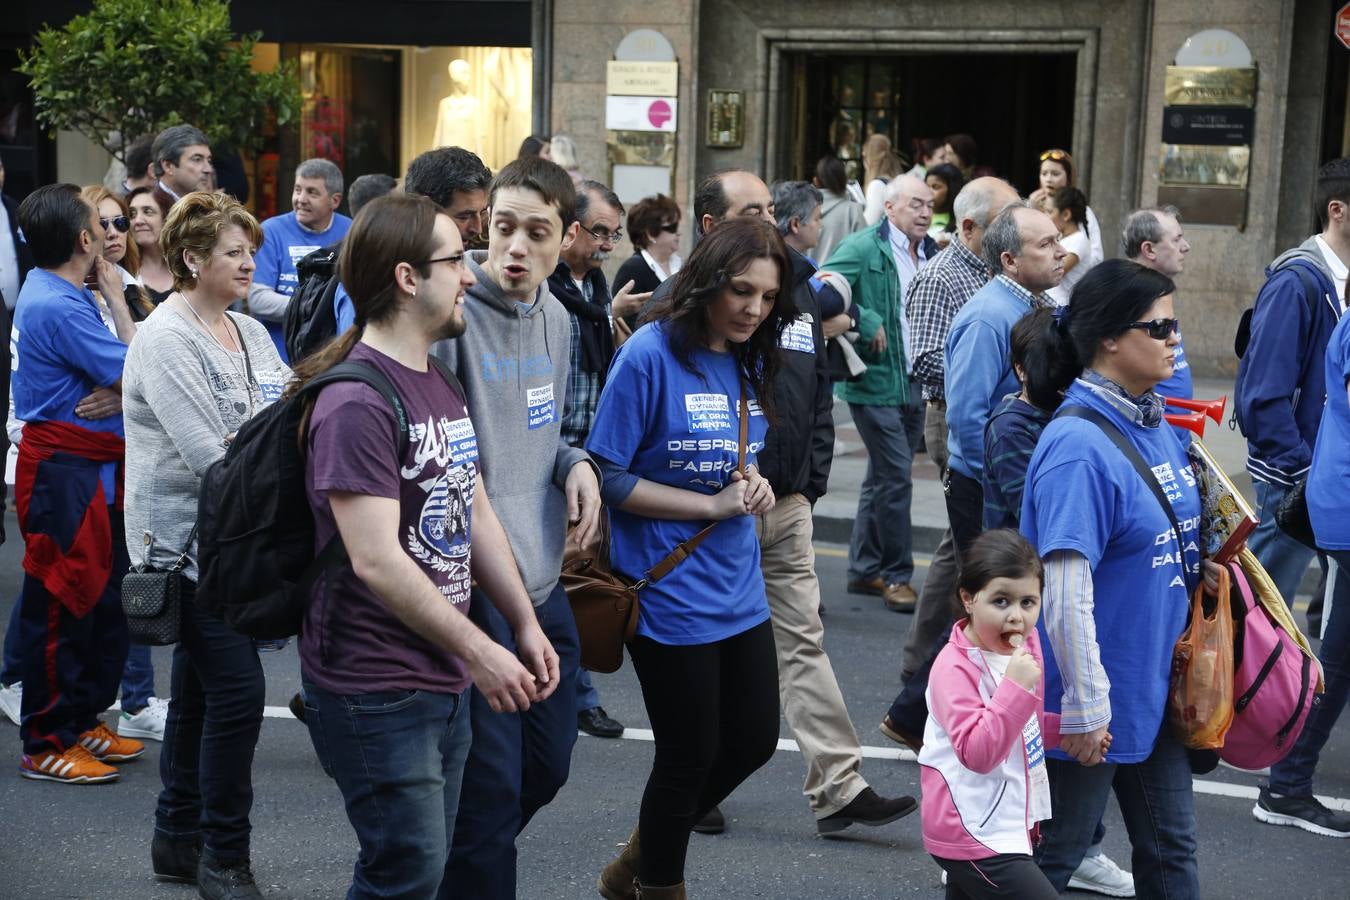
(879, 264)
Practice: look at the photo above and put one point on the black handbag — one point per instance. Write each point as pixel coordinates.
(1292, 515)
(152, 599)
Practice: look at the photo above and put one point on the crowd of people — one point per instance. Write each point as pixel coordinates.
(544, 410)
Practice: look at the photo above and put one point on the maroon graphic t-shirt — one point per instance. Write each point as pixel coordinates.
(352, 643)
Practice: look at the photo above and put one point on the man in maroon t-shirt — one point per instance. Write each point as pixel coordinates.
(387, 651)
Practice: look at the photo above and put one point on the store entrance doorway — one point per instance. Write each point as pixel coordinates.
(1015, 105)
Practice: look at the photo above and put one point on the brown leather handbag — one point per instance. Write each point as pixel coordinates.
(605, 602)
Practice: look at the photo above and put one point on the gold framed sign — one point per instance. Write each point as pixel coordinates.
(1210, 86)
(726, 122)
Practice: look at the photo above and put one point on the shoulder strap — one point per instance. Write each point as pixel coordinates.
(450, 378)
(352, 370)
(682, 551)
(1124, 446)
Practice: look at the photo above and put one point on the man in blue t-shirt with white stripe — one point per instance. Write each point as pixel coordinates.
(312, 223)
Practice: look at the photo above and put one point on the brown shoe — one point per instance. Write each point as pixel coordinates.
(619, 880)
(892, 731)
(900, 598)
(874, 586)
(668, 892)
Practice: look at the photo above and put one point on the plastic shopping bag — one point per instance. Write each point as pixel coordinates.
(1200, 699)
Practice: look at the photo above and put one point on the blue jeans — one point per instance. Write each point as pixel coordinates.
(882, 544)
(1158, 806)
(398, 758)
(1283, 558)
(215, 714)
(518, 761)
(1293, 775)
(587, 696)
(9, 663)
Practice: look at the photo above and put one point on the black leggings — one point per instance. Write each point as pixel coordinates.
(1009, 875)
(714, 713)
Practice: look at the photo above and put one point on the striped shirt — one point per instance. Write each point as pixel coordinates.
(935, 296)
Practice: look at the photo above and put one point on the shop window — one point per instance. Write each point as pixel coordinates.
(472, 97)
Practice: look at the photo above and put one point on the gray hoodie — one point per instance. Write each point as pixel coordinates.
(840, 216)
(513, 364)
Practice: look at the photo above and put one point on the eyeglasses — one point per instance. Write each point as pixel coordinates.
(670, 227)
(456, 260)
(1056, 155)
(602, 235)
(1158, 329)
(118, 222)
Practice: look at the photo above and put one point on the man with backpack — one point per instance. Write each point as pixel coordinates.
(312, 224)
(387, 650)
(513, 361)
(1281, 390)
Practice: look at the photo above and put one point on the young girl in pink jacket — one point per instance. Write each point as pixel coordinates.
(983, 760)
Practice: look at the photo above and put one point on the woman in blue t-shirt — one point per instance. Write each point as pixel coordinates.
(1118, 579)
(667, 438)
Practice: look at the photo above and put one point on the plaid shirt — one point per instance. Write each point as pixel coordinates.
(935, 296)
(583, 388)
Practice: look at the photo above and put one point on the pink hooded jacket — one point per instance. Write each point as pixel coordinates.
(973, 766)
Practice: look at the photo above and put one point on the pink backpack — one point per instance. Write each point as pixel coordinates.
(1274, 686)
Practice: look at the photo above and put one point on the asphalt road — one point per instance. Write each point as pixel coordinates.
(92, 842)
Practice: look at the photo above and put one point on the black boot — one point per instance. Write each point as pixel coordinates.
(225, 880)
(173, 860)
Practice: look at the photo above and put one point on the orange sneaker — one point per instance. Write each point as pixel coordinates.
(109, 746)
(76, 766)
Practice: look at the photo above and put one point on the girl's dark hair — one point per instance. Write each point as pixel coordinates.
(388, 230)
(965, 147)
(925, 147)
(1001, 553)
(830, 173)
(1072, 199)
(1047, 369)
(532, 146)
(951, 176)
(1113, 294)
(162, 200)
(725, 252)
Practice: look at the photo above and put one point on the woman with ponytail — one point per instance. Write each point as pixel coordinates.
(1118, 580)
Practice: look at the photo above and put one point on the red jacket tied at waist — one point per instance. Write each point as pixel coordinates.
(59, 459)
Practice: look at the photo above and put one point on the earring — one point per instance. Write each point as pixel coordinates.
(413, 295)
(193, 272)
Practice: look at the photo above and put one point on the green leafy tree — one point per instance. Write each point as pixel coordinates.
(138, 66)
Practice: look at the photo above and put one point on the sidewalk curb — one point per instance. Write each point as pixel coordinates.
(835, 530)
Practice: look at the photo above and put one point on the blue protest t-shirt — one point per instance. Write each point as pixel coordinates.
(284, 244)
(63, 351)
(1179, 385)
(1329, 479)
(666, 424)
(343, 311)
(1083, 495)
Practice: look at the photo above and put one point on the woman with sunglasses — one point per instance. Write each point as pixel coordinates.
(118, 248)
(1118, 578)
(667, 437)
(149, 208)
(1057, 171)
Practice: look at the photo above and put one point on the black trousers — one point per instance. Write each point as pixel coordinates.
(1011, 875)
(714, 713)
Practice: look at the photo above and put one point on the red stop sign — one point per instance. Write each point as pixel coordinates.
(1343, 26)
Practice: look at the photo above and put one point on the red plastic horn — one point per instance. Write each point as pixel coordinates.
(1194, 421)
(1212, 408)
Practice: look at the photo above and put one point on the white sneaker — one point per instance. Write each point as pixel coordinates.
(1101, 875)
(11, 700)
(148, 724)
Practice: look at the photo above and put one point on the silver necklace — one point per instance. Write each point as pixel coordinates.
(240, 368)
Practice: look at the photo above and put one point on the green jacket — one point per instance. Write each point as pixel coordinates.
(864, 258)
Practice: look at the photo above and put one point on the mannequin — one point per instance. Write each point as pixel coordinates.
(457, 118)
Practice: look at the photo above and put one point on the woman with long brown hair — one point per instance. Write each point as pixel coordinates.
(118, 247)
(149, 208)
(667, 437)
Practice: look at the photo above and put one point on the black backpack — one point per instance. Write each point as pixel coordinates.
(255, 552)
(310, 319)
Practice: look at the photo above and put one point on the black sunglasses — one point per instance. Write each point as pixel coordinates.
(670, 227)
(1158, 329)
(118, 222)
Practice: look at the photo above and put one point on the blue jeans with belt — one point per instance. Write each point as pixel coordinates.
(1293, 775)
(398, 758)
(882, 544)
(1284, 559)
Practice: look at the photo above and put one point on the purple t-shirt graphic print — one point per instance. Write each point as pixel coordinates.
(352, 643)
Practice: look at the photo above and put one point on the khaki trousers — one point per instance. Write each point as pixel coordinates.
(810, 695)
